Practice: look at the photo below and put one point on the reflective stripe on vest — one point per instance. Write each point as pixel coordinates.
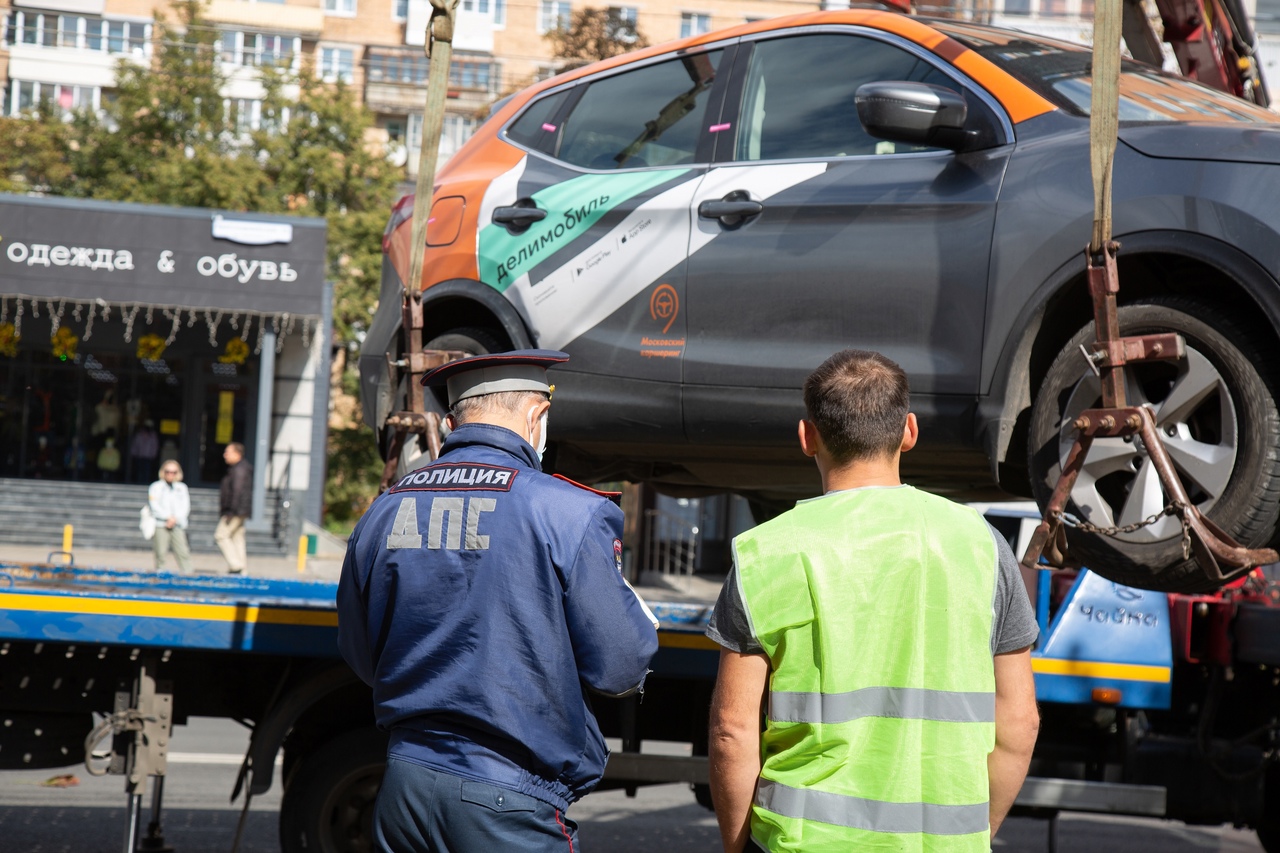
(874, 815)
(904, 703)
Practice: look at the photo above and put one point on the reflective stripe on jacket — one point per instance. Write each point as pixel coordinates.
(875, 609)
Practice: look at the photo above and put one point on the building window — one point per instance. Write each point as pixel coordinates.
(253, 49)
(694, 24)
(553, 14)
(1017, 7)
(337, 63)
(397, 66)
(469, 73)
(499, 13)
(78, 31)
(340, 7)
(457, 129)
(623, 19)
(244, 114)
(399, 10)
(26, 95)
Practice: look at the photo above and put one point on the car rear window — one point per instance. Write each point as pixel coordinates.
(529, 129)
(1061, 73)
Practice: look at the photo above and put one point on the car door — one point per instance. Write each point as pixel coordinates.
(844, 240)
(588, 236)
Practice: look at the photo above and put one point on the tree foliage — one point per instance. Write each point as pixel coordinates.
(169, 137)
(594, 34)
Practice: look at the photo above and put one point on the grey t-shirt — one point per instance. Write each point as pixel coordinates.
(1012, 628)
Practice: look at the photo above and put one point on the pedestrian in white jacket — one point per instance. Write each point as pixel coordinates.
(171, 505)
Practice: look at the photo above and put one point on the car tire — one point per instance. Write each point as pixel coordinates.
(472, 341)
(329, 798)
(1219, 419)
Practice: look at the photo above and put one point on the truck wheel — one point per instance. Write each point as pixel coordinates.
(1217, 416)
(472, 341)
(329, 797)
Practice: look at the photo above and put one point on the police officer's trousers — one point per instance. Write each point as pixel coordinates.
(421, 810)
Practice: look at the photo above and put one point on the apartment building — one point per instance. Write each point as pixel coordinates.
(65, 51)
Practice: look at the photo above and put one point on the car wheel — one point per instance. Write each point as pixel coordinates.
(472, 341)
(329, 800)
(1217, 416)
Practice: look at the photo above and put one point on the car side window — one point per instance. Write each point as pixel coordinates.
(798, 102)
(530, 129)
(651, 116)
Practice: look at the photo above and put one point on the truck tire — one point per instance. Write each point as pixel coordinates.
(1218, 417)
(472, 341)
(329, 797)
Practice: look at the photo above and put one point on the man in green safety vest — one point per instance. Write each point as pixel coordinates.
(885, 635)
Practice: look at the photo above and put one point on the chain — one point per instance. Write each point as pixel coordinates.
(1174, 508)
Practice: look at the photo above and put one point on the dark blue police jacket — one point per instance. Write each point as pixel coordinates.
(480, 598)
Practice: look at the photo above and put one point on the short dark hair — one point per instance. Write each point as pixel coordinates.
(237, 447)
(858, 400)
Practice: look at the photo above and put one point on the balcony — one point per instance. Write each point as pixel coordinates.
(303, 20)
(396, 79)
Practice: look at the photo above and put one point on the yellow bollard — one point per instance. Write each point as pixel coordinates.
(66, 537)
(302, 553)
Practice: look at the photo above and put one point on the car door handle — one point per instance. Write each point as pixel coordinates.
(522, 214)
(732, 209)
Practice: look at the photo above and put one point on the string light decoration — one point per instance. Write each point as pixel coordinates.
(67, 316)
(8, 340)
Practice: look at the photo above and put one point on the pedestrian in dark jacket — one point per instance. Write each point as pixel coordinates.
(481, 599)
(235, 502)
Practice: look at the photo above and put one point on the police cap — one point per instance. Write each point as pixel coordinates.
(519, 370)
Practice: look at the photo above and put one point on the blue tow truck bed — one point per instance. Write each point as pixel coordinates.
(228, 614)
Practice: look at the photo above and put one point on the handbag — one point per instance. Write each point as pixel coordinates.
(147, 522)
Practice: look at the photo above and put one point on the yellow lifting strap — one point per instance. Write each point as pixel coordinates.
(1104, 113)
(439, 49)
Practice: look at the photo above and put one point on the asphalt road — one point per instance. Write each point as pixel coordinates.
(89, 817)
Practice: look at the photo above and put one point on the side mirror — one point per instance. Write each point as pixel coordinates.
(915, 113)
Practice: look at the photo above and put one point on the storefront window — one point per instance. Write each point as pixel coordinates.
(224, 411)
(105, 414)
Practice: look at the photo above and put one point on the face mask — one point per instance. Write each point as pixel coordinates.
(542, 442)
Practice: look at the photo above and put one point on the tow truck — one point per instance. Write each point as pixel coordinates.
(1165, 705)
(1153, 704)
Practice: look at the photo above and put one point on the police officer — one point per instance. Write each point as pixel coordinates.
(479, 597)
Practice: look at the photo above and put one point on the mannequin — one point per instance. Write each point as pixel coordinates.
(106, 415)
(109, 459)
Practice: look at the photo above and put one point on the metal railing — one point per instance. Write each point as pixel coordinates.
(671, 544)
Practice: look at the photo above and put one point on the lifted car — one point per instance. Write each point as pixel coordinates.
(700, 224)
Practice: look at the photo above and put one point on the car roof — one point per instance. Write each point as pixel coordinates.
(1019, 101)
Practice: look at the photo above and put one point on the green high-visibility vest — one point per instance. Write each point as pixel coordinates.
(875, 609)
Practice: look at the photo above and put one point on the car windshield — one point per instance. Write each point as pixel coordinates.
(1061, 72)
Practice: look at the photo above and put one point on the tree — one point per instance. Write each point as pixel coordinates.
(169, 137)
(594, 34)
(34, 154)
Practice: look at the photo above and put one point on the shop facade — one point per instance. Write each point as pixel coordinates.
(131, 334)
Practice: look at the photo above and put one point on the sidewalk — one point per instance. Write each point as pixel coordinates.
(318, 566)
